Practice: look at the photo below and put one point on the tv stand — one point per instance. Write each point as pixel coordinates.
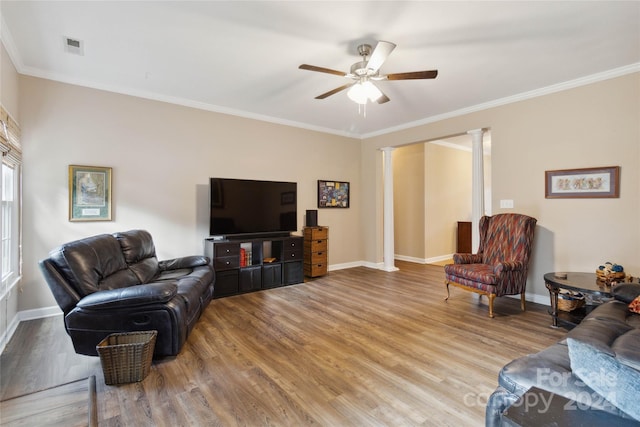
(254, 236)
(249, 263)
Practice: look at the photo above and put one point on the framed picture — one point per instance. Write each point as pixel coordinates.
(89, 193)
(583, 183)
(333, 194)
(288, 198)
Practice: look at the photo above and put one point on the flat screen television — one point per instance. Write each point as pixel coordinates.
(242, 207)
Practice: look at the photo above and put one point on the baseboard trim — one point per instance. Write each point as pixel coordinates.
(410, 259)
(431, 260)
(8, 333)
(538, 299)
(39, 313)
(334, 267)
(437, 259)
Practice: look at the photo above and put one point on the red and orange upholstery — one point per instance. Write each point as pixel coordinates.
(500, 266)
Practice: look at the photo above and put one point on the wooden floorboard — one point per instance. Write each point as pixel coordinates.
(355, 347)
(64, 405)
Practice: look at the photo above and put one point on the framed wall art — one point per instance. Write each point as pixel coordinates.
(599, 182)
(333, 194)
(89, 193)
(288, 198)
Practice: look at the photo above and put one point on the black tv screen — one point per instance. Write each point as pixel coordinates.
(244, 206)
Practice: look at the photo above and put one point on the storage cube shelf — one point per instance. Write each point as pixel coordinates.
(247, 265)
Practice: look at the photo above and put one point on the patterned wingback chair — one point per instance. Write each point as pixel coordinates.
(500, 266)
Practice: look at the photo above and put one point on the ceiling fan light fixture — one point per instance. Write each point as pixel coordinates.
(358, 94)
(362, 92)
(373, 93)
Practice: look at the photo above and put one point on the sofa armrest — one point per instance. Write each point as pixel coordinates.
(467, 258)
(183, 262)
(508, 266)
(131, 296)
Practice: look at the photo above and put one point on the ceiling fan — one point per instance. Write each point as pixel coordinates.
(367, 71)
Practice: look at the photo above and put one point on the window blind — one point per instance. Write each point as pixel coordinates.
(9, 139)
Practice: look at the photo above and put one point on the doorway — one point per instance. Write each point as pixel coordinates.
(432, 192)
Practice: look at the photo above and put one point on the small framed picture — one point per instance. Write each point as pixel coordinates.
(288, 198)
(333, 194)
(89, 193)
(583, 183)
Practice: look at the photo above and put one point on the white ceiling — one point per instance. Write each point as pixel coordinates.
(242, 57)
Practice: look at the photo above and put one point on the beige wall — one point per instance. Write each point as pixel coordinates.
(162, 156)
(587, 126)
(408, 202)
(432, 185)
(447, 198)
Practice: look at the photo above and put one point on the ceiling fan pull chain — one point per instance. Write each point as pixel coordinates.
(362, 110)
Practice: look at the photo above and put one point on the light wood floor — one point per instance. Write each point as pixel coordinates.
(356, 347)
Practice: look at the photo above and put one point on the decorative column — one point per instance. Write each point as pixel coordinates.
(388, 236)
(477, 187)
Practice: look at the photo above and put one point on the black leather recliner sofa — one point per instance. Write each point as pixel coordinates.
(596, 367)
(114, 283)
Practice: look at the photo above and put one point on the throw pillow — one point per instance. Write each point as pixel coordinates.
(635, 305)
(606, 375)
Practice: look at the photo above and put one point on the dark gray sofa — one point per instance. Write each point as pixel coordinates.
(597, 365)
(114, 283)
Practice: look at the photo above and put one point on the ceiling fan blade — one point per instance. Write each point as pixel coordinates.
(321, 70)
(380, 53)
(432, 74)
(334, 91)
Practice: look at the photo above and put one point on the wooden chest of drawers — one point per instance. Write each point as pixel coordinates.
(315, 251)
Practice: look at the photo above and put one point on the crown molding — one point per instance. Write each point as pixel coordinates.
(559, 87)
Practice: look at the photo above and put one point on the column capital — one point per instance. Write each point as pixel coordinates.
(387, 149)
(476, 131)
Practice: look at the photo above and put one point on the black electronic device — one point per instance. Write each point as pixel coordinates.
(241, 207)
(312, 218)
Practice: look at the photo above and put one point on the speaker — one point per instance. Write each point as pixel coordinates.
(312, 218)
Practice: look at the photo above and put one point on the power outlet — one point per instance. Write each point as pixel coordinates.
(506, 204)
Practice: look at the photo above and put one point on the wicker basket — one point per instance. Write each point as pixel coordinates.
(603, 276)
(570, 302)
(126, 357)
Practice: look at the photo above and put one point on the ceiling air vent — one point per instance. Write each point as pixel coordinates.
(74, 46)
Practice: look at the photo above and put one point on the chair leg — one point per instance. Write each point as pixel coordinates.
(446, 283)
(491, 298)
(523, 304)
